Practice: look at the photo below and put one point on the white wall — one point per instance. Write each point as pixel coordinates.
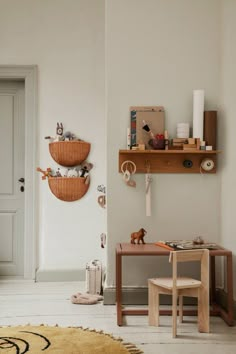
(158, 51)
(65, 38)
(228, 127)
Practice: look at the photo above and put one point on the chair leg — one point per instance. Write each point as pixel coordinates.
(174, 314)
(180, 308)
(203, 310)
(153, 305)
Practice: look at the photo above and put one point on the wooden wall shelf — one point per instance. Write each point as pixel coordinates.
(167, 161)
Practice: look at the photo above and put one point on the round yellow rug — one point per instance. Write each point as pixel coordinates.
(59, 340)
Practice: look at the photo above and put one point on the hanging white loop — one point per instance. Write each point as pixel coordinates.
(148, 179)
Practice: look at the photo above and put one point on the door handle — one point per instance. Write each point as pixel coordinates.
(22, 180)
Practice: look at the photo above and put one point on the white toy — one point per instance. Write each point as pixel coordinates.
(59, 134)
(62, 172)
(72, 172)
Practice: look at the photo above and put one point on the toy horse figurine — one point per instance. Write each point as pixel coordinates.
(138, 236)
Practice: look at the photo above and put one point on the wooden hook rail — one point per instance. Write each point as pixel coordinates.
(168, 161)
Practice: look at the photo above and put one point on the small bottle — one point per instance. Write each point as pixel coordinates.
(166, 136)
(128, 139)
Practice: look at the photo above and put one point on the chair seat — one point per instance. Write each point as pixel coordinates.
(182, 283)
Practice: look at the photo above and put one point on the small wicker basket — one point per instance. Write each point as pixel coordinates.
(68, 189)
(69, 153)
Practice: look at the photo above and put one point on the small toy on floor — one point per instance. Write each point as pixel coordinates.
(86, 299)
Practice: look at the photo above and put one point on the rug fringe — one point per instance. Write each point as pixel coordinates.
(132, 349)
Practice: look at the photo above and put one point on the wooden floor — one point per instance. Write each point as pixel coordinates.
(23, 302)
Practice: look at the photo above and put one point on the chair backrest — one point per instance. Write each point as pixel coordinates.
(201, 255)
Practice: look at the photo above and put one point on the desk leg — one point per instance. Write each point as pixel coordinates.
(230, 301)
(119, 288)
(228, 316)
(213, 280)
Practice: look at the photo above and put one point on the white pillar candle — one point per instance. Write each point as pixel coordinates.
(198, 112)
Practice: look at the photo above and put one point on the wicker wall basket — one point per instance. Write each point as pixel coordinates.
(69, 153)
(68, 189)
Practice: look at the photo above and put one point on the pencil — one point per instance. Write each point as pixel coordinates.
(161, 244)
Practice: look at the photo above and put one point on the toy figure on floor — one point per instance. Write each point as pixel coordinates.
(138, 236)
(86, 299)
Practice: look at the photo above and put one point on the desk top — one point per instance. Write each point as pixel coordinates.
(151, 249)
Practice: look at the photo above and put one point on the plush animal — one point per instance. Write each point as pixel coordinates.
(46, 173)
(58, 173)
(59, 134)
(139, 235)
(59, 129)
(72, 172)
(62, 172)
(85, 168)
(68, 136)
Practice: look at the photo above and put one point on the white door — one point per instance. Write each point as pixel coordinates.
(12, 167)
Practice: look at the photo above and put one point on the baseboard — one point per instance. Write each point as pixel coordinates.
(51, 275)
(139, 296)
(130, 295)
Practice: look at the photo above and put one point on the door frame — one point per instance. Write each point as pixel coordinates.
(28, 73)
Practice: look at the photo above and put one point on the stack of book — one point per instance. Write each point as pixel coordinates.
(178, 142)
(186, 245)
(190, 144)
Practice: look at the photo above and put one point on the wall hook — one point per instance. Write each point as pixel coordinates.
(147, 165)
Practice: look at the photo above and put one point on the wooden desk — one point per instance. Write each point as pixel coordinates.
(150, 249)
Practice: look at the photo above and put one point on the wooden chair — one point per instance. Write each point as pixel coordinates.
(179, 287)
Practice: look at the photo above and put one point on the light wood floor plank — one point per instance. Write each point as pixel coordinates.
(23, 302)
